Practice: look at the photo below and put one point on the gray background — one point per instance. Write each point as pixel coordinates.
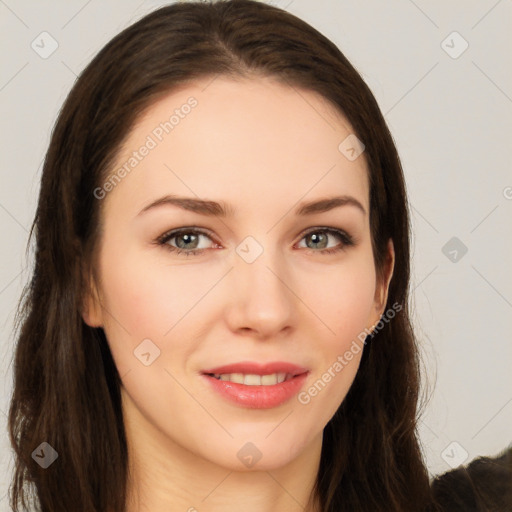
(449, 112)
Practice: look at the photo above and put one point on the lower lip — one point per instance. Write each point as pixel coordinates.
(258, 397)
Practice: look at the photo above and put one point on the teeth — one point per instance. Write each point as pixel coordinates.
(269, 380)
(238, 378)
(254, 380)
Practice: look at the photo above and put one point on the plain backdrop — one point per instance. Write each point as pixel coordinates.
(441, 74)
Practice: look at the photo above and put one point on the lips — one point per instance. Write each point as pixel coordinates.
(257, 396)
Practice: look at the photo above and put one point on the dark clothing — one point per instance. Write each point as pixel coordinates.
(485, 485)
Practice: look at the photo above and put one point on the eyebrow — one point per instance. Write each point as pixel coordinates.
(222, 209)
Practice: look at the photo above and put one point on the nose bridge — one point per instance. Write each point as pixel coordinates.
(261, 299)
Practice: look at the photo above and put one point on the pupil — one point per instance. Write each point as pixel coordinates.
(315, 238)
(185, 237)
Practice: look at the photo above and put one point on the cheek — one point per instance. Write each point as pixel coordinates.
(345, 310)
(145, 300)
(149, 295)
(343, 299)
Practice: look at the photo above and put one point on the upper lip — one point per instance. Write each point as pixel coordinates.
(255, 368)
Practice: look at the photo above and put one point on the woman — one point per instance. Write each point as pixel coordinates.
(272, 362)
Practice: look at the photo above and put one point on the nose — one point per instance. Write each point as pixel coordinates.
(261, 299)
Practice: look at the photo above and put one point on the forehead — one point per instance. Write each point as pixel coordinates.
(254, 139)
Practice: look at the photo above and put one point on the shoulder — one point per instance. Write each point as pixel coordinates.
(485, 485)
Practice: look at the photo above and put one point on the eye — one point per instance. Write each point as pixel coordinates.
(319, 238)
(187, 241)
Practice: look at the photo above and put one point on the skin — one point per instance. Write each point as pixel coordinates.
(263, 148)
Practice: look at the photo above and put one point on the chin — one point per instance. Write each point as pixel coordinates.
(255, 453)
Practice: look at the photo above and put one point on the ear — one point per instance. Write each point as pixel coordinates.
(382, 288)
(91, 305)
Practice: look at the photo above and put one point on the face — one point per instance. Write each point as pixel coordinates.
(245, 270)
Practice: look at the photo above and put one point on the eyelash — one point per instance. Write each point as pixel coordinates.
(347, 240)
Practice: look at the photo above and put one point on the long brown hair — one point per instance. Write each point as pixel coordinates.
(66, 385)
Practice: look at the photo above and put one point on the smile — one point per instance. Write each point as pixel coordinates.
(252, 379)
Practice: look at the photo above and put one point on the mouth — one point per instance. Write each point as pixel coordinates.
(252, 379)
(257, 386)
